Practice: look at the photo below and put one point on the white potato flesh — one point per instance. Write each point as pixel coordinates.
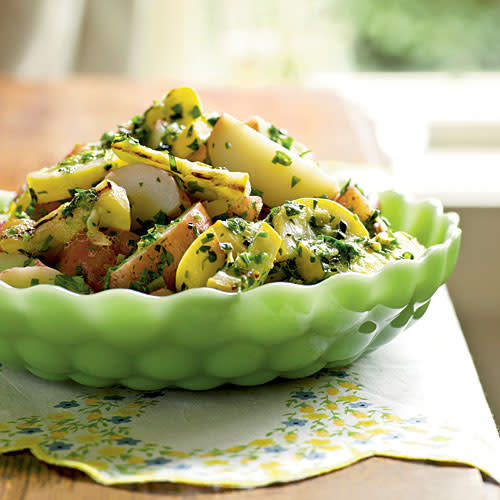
(24, 277)
(12, 260)
(149, 190)
(279, 173)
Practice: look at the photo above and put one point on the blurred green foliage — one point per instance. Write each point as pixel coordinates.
(406, 35)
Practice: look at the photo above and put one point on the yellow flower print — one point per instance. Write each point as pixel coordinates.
(351, 398)
(216, 462)
(324, 444)
(322, 433)
(337, 421)
(234, 449)
(209, 454)
(133, 405)
(332, 391)
(62, 415)
(440, 438)
(361, 437)
(23, 426)
(179, 454)
(94, 415)
(59, 434)
(273, 469)
(348, 385)
(111, 451)
(367, 423)
(331, 406)
(116, 437)
(377, 431)
(92, 401)
(247, 459)
(262, 442)
(359, 414)
(291, 437)
(393, 418)
(97, 464)
(270, 465)
(54, 426)
(135, 460)
(27, 441)
(87, 438)
(307, 409)
(316, 416)
(4, 427)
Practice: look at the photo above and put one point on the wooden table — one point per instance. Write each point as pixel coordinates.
(39, 123)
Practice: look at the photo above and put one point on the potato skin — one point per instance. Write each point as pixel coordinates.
(354, 201)
(173, 243)
(94, 260)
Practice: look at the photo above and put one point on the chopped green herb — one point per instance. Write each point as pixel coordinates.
(282, 158)
(177, 112)
(295, 180)
(345, 187)
(212, 120)
(34, 281)
(226, 247)
(292, 208)
(84, 198)
(256, 192)
(45, 244)
(195, 112)
(194, 187)
(194, 145)
(227, 145)
(160, 218)
(74, 283)
(208, 237)
(173, 163)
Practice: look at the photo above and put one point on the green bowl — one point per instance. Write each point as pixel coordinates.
(202, 338)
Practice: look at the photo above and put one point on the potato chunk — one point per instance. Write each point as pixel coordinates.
(106, 205)
(160, 251)
(278, 172)
(82, 170)
(82, 256)
(25, 277)
(152, 192)
(353, 200)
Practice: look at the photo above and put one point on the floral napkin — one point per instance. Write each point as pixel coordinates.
(418, 397)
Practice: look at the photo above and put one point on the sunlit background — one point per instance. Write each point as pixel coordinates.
(426, 71)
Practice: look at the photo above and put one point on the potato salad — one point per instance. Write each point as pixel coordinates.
(177, 198)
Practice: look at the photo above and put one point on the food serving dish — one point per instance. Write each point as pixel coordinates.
(202, 338)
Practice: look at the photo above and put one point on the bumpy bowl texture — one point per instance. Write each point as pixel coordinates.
(202, 338)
